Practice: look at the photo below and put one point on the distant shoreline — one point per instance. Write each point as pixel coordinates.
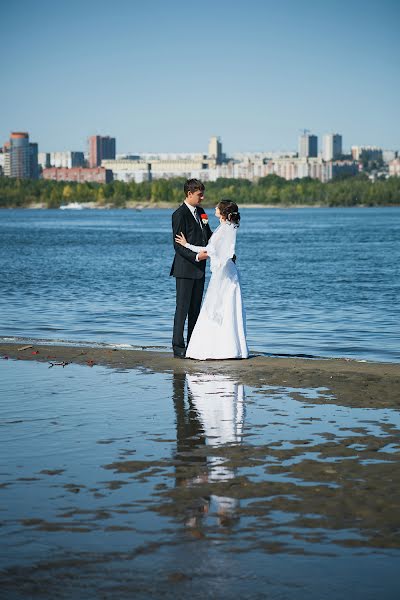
(167, 205)
(271, 191)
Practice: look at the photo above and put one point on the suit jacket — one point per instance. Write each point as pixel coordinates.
(185, 264)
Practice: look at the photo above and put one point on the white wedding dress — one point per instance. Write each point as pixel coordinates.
(220, 330)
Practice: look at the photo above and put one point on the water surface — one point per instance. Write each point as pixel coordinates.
(131, 483)
(319, 282)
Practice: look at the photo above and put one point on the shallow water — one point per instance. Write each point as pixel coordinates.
(318, 282)
(132, 483)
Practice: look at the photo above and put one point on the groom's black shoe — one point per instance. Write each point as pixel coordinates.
(179, 351)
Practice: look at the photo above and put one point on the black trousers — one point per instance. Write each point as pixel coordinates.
(189, 293)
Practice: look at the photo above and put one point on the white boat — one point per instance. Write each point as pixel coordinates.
(72, 206)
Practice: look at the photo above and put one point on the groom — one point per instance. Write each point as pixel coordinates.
(188, 267)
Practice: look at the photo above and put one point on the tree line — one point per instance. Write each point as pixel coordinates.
(271, 190)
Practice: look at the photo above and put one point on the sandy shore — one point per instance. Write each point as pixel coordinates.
(351, 383)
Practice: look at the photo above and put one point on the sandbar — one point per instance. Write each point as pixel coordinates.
(349, 382)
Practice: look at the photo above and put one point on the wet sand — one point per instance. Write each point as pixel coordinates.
(352, 383)
(304, 498)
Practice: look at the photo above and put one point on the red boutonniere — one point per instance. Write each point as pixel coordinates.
(204, 218)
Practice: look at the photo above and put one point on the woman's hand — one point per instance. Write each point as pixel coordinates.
(180, 239)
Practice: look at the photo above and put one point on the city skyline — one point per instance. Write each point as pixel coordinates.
(320, 139)
(20, 158)
(161, 78)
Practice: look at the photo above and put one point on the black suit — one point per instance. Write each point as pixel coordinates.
(189, 274)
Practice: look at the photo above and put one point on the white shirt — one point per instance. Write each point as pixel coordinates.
(193, 210)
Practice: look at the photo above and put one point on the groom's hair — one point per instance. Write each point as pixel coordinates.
(193, 185)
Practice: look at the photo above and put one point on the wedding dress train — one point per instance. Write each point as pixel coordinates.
(220, 330)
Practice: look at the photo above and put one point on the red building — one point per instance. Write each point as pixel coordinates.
(79, 174)
(100, 147)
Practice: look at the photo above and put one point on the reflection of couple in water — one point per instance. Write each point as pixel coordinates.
(209, 412)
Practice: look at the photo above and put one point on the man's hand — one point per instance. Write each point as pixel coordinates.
(203, 255)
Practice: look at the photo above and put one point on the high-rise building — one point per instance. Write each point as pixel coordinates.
(215, 149)
(308, 145)
(2, 161)
(366, 153)
(33, 161)
(44, 160)
(100, 148)
(331, 146)
(394, 168)
(21, 157)
(7, 159)
(67, 159)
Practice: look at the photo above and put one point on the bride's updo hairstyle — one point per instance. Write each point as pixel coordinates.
(230, 211)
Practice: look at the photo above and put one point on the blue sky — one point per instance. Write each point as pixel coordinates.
(163, 76)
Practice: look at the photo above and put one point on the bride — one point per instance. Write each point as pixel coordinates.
(220, 330)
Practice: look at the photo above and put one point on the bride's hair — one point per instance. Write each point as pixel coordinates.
(230, 211)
